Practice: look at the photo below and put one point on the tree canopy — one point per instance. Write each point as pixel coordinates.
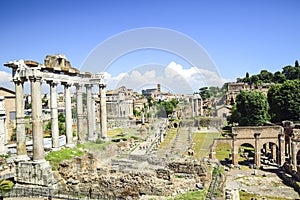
(165, 108)
(284, 101)
(251, 109)
(288, 73)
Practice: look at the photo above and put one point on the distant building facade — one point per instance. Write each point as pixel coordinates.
(9, 104)
(119, 103)
(233, 89)
(3, 130)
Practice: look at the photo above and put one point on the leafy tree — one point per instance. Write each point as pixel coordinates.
(251, 109)
(174, 102)
(284, 101)
(224, 88)
(136, 113)
(61, 124)
(150, 101)
(247, 78)
(61, 128)
(265, 76)
(291, 73)
(27, 105)
(278, 77)
(48, 126)
(296, 63)
(61, 117)
(205, 93)
(5, 186)
(165, 108)
(254, 79)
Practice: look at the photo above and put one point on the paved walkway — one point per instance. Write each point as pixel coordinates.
(145, 146)
(263, 183)
(181, 143)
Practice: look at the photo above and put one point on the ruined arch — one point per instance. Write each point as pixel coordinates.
(270, 152)
(246, 154)
(216, 142)
(223, 152)
(298, 158)
(257, 136)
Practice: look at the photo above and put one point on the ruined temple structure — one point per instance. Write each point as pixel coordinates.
(280, 143)
(292, 143)
(197, 104)
(55, 70)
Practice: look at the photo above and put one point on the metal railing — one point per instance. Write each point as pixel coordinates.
(211, 191)
(49, 194)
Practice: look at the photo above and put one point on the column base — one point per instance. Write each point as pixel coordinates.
(35, 173)
(21, 158)
(56, 149)
(93, 139)
(70, 145)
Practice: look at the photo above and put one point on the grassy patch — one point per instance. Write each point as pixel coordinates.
(55, 157)
(202, 142)
(114, 132)
(166, 145)
(171, 134)
(120, 133)
(94, 146)
(248, 196)
(192, 195)
(223, 151)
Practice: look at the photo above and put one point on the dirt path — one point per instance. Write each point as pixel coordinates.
(263, 183)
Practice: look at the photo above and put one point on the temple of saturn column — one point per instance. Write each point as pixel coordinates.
(196, 99)
(55, 70)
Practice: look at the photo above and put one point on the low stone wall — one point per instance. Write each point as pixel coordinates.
(125, 178)
(185, 167)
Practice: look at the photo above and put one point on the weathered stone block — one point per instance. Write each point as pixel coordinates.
(35, 173)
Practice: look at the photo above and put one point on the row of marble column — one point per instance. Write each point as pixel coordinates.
(37, 121)
(195, 107)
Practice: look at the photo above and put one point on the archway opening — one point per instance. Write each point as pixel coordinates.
(246, 154)
(269, 153)
(298, 158)
(175, 125)
(223, 153)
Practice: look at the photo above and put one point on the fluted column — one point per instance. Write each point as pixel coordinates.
(20, 121)
(201, 107)
(103, 116)
(54, 115)
(79, 108)
(281, 152)
(68, 113)
(89, 111)
(257, 150)
(193, 108)
(294, 155)
(196, 107)
(94, 116)
(37, 122)
(235, 150)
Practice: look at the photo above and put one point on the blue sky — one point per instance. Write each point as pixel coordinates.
(239, 36)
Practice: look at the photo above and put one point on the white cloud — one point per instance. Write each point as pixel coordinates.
(194, 76)
(5, 77)
(173, 77)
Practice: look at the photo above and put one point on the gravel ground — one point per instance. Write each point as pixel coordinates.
(263, 183)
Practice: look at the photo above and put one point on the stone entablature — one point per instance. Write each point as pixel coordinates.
(250, 131)
(56, 70)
